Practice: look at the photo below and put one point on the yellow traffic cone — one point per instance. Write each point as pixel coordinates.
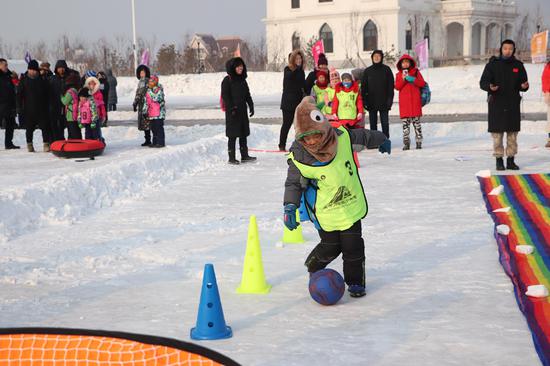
(295, 236)
(253, 280)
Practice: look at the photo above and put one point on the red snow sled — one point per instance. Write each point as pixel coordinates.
(71, 149)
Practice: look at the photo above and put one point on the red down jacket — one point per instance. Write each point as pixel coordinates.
(410, 100)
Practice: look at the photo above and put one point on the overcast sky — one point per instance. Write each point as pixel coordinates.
(169, 19)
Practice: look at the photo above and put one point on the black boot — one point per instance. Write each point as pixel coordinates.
(418, 146)
(406, 147)
(232, 159)
(500, 164)
(510, 164)
(245, 158)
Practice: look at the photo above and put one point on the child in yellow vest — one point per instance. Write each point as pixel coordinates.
(347, 105)
(322, 158)
(323, 93)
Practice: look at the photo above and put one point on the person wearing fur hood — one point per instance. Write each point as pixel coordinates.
(93, 85)
(322, 174)
(142, 74)
(294, 82)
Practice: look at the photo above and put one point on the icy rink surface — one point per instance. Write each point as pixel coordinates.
(119, 243)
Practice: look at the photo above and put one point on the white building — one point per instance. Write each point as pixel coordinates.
(352, 29)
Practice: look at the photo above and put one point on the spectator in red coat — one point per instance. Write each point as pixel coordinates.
(409, 82)
(546, 91)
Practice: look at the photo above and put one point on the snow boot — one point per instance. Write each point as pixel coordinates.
(406, 147)
(146, 143)
(12, 147)
(418, 146)
(232, 159)
(357, 290)
(510, 164)
(46, 147)
(245, 158)
(500, 164)
(30, 148)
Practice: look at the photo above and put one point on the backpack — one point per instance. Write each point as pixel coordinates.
(426, 95)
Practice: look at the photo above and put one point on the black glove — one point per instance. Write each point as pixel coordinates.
(135, 107)
(251, 110)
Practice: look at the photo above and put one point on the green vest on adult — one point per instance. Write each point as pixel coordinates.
(320, 93)
(347, 105)
(341, 200)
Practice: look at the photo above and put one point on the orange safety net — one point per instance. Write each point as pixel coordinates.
(97, 348)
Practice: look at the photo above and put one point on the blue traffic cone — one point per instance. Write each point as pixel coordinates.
(210, 320)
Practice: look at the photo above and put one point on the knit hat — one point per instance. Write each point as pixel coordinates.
(309, 120)
(33, 65)
(45, 65)
(318, 75)
(84, 92)
(322, 59)
(334, 77)
(154, 78)
(90, 74)
(347, 75)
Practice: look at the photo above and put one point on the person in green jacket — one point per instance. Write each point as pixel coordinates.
(70, 100)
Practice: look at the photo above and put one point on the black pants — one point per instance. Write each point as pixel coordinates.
(348, 242)
(46, 134)
(288, 118)
(384, 121)
(243, 145)
(112, 107)
(147, 135)
(57, 127)
(9, 125)
(157, 127)
(74, 131)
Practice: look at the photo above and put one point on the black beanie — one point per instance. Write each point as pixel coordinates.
(33, 65)
(322, 59)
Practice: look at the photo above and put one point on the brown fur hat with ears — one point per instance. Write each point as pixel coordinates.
(309, 120)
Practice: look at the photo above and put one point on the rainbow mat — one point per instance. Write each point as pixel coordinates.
(528, 197)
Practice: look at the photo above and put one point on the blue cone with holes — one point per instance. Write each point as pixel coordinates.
(210, 320)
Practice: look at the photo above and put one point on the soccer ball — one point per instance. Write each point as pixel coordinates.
(326, 286)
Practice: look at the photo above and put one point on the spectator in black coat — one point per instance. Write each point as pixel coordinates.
(113, 97)
(377, 89)
(293, 92)
(32, 103)
(322, 64)
(503, 79)
(236, 96)
(104, 87)
(7, 104)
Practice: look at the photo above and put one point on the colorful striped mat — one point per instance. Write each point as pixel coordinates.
(528, 197)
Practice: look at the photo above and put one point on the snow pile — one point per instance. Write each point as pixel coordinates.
(93, 185)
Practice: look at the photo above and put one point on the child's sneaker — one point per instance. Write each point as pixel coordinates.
(357, 290)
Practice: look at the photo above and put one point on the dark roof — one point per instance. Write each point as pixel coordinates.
(229, 44)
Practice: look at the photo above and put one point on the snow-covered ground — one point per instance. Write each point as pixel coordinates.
(455, 90)
(119, 243)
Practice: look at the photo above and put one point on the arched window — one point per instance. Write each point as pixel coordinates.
(296, 44)
(326, 35)
(427, 33)
(409, 36)
(370, 36)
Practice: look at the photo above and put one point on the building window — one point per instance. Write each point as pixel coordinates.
(296, 44)
(295, 4)
(326, 35)
(370, 36)
(408, 36)
(427, 33)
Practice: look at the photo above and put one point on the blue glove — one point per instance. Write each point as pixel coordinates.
(290, 216)
(410, 79)
(385, 147)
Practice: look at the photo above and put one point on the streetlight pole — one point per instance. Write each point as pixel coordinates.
(134, 34)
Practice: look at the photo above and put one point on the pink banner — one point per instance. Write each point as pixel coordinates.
(145, 58)
(422, 51)
(318, 48)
